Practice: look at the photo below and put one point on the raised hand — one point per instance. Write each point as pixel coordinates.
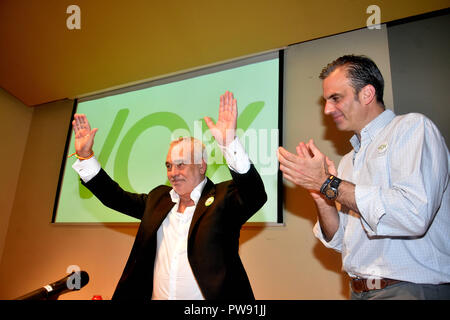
(84, 136)
(224, 130)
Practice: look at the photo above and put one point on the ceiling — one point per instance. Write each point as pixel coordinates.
(125, 42)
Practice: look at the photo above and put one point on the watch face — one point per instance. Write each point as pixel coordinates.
(330, 193)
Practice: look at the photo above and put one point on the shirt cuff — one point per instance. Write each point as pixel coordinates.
(370, 207)
(87, 169)
(335, 243)
(236, 157)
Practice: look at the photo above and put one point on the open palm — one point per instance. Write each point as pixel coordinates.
(84, 136)
(224, 130)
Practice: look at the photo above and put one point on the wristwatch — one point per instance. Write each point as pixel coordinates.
(330, 187)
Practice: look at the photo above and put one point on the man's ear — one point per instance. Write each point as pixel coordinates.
(203, 167)
(367, 94)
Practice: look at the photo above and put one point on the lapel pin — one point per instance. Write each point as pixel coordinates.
(382, 148)
(209, 201)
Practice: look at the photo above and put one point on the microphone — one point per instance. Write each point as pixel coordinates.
(73, 282)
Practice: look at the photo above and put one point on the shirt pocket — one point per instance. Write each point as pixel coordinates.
(377, 169)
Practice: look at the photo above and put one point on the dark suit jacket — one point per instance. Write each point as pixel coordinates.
(213, 239)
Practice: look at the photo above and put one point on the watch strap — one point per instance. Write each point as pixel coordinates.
(325, 184)
(331, 184)
(335, 182)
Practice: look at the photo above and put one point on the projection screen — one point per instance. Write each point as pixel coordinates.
(136, 125)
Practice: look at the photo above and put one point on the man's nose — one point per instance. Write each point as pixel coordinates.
(329, 108)
(174, 171)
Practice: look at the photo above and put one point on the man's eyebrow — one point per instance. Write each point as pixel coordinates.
(334, 95)
(179, 161)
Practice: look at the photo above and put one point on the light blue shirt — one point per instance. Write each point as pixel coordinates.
(400, 168)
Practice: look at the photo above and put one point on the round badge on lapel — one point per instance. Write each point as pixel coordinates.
(209, 201)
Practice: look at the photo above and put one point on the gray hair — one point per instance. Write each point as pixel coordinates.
(198, 149)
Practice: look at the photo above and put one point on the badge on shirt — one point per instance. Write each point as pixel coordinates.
(209, 201)
(382, 148)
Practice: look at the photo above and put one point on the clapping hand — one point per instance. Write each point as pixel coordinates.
(309, 168)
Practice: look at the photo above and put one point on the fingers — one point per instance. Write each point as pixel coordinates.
(331, 167)
(234, 106)
(286, 158)
(80, 122)
(315, 151)
(303, 150)
(74, 124)
(227, 110)
(81, 126)
(93, 132)
(282, 154)
(222, 104)
(308, 150)
(227, 100)
(209, 123)
(76, 127)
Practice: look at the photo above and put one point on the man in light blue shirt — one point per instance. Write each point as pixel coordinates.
(387, 207)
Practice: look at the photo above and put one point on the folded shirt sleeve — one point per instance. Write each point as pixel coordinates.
(236, 156)
(337, 240)
(87, 169)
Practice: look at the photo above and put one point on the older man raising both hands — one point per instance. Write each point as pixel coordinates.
(187, 244)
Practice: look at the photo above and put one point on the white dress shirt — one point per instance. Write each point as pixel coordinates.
(401, 171)
(173, 278)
